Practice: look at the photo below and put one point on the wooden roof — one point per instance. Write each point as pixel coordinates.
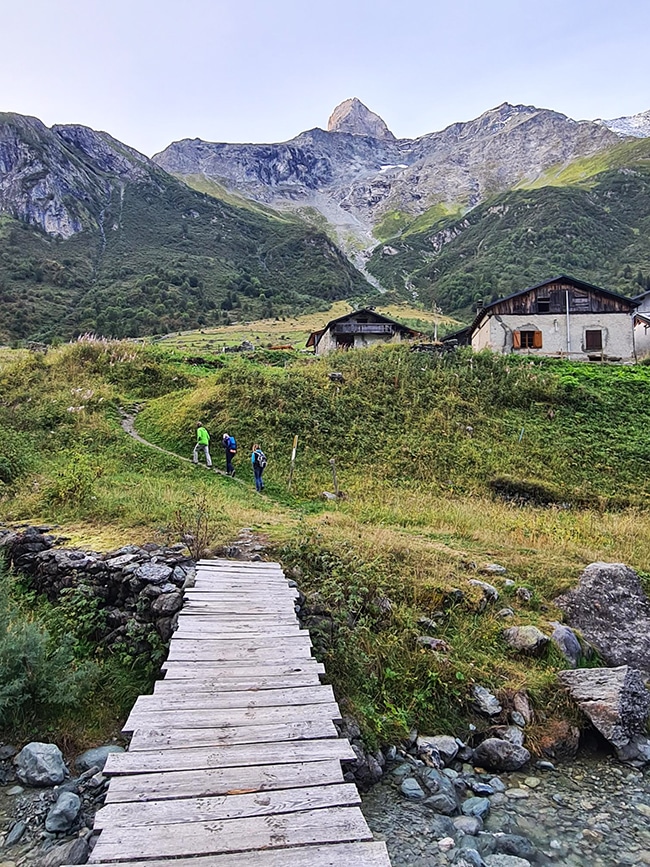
(315, 336)
(631, 303)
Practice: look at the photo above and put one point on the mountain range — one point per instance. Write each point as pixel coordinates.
(97, 236)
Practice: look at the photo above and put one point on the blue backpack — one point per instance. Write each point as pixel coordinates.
(260, 458)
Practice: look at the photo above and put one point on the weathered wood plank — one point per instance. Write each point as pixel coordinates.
(222, 781)
(246, 640)
(334, 824)
(228, 806)
(241, 606)
(158, 738)
(206, 652)
(237, 755)
(188, 633)
(318, 694)
(332, 855)
(209, 686)
(196, 718)
(223, 671)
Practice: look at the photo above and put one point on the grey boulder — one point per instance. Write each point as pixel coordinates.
(39, 764)
(442, 798)
(411, 789)
(566, 641)
(445, 745)
(497, 755)
(526, 639)
(496, 860)
(96, 757)
(479, 807)
(71, 852)
(485, 701)
(612, 612)
(61, 816)
(616, 702)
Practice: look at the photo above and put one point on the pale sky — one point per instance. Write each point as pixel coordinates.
(249, 70)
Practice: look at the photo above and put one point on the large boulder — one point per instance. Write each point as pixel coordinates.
(70, 852)
(39, 764)
(612, 612)
(497, 755)
(96, 757)
(616, 702)
(62, 815)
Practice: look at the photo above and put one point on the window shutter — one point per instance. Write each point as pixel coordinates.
(537, 339)
(516, 339)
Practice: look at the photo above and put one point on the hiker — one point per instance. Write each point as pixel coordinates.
(202, 441)
(258, 459)
(230, 447)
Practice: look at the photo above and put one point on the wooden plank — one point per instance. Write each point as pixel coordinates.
(222, 781)
(242, 607)
(252, 640)
(334, 824)
(176, 687)
(217, 717)
(206, 652)
(213, 672)
(159, 738)
(222, 633)
(251, 592)
(318, 694)
(332, 855)
(228, 806)
(157, 761)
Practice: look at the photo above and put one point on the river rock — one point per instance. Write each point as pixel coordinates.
(612, 612)
(479, 807)
(39, 764)
(62, 814)
(445, 745)
(506, 861)
(508, 733)
(526, 639)
(522, 705)
(615, 700)
(468, 858)
(71, 852)
(96, 757)
(514, 844)
(16, 833)
(411, 789)
(566, 641)
(443, 797)
(485, 701)
(497, 755)
(468, 824)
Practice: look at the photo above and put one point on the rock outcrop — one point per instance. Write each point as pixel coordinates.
(612, 612)
(617, 703)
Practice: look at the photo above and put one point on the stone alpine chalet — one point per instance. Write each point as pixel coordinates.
(358, 330)
(562, 317)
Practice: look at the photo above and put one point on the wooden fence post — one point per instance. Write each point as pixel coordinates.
(293, 461)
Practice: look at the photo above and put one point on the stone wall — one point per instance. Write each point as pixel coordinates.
(140, 587)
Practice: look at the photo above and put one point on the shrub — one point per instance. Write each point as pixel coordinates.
(74, 482)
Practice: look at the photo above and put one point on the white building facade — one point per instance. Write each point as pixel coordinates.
(563, 318)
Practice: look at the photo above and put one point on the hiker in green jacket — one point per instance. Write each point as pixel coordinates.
(202, 442)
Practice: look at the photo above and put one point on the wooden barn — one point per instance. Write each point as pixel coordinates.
(359, 330)
(562, 317)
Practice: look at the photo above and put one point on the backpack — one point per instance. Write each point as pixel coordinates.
(260, 458)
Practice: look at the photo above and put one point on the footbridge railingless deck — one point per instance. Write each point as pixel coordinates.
(234, 760)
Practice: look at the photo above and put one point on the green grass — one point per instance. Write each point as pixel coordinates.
(418, 444)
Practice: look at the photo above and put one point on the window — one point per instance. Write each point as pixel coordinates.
(593, 341)
(526, 339)
(543, 305)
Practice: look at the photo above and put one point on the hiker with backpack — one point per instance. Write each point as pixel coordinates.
(230, 447)
(202, 443)
(258, 459)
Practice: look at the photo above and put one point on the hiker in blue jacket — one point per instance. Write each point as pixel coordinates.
(258, 459)
(230, 447)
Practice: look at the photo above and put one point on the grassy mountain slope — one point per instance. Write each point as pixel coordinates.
(423, 446)
(152, 255)
(597, 230)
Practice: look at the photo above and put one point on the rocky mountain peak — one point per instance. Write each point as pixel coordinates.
(353, 117)
(637, 125)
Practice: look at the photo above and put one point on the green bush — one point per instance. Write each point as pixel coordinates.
(74, 481)
(39, 677)
(15, 457)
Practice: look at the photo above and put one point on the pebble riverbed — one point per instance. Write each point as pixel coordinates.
(591, 812)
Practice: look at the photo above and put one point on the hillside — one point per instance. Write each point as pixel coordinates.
(591, 218)
(96, 237)
(447, 463)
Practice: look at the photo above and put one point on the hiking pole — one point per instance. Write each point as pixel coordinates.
(293, 461)
(334, 479)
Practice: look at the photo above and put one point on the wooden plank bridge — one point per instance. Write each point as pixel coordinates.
(234, 760)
